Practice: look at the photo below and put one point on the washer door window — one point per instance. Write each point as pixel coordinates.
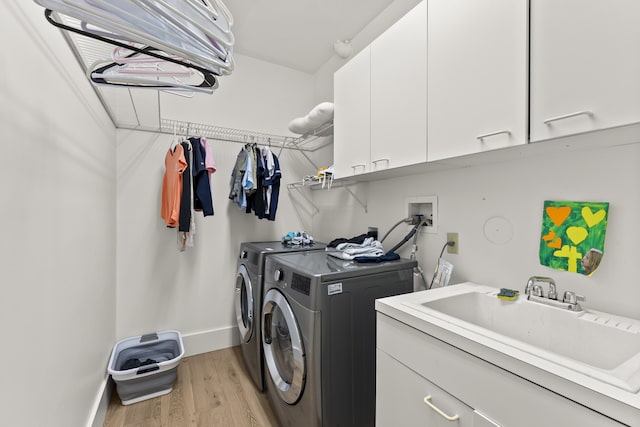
(283, 347)
(244, 304)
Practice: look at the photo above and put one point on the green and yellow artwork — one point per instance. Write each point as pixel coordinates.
(573, 235)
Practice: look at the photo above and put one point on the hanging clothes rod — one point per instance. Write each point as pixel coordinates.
(223, 133)
(168, 126)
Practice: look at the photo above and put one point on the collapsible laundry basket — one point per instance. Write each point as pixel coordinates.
(146, 366)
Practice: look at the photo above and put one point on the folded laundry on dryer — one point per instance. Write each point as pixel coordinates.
(369, 247)
(357, 239)
(389, 256)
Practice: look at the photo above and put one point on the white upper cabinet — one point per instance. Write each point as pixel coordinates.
(399, 93)
(352, 119)
(585, 66)
(380, 101)
(477, 76)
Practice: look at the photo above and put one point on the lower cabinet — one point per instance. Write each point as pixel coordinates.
(464, 390)
(401, 394)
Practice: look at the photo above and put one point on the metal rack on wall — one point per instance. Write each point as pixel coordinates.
(300, 144)
(318, 184)
(221, 133)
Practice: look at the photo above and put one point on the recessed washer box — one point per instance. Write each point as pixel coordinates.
(427, 206)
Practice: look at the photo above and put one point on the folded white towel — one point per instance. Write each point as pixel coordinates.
(367, 242)
(319, 115)
(370, 247)
(351, 255)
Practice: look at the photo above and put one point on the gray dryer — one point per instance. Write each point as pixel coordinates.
(319, 336)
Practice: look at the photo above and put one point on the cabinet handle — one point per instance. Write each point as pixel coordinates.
(455, 417)
(354, 167)
(380, 160)
(498, 132)
(568, 116)
(375, 163)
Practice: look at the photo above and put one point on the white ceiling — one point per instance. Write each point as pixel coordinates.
(298, 34)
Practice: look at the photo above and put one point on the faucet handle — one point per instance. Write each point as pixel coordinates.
(533, 288)
(536, 290)
(572, 298)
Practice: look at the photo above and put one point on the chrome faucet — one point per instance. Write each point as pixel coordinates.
(534, 289)
(535, 293)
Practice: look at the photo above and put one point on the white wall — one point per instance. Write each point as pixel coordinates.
(516, 191)
(160, 288)
(58, 245)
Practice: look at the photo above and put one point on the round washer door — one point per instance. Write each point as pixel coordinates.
(283, 347)
(244, 303)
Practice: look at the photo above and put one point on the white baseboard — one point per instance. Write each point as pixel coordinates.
(211, 340)
(99, 410)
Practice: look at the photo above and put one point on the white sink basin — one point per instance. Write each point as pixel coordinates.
(600, 345)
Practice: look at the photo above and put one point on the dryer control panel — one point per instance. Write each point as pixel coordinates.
(301, 283)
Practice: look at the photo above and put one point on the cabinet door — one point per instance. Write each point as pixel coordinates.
(585, 65)
(351, 124)
(399, 92)
(477, 76)
(400, 398)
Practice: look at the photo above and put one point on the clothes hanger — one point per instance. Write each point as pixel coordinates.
(151, 66)
(158, 24)
(101, 73)
(151, 69)
(87, 27)
(89, 14)
(174, 141)
(155, 29)
(146, 50)
(201, 17)
(145, 64)
(133, 63)
(106, 72)
(142, 83)
(224, 10)
(140, 64)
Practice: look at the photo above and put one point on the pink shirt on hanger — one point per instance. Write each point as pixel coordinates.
(209, 162)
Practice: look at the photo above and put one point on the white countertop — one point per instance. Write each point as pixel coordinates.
(573, 384)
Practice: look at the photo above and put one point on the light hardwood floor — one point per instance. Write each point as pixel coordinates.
(212, 389)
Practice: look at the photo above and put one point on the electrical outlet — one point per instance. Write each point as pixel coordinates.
(452, 237)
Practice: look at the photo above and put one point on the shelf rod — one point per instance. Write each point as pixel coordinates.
(218, 133)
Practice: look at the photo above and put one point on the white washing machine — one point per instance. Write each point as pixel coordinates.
(248, 299)
(319, 336)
